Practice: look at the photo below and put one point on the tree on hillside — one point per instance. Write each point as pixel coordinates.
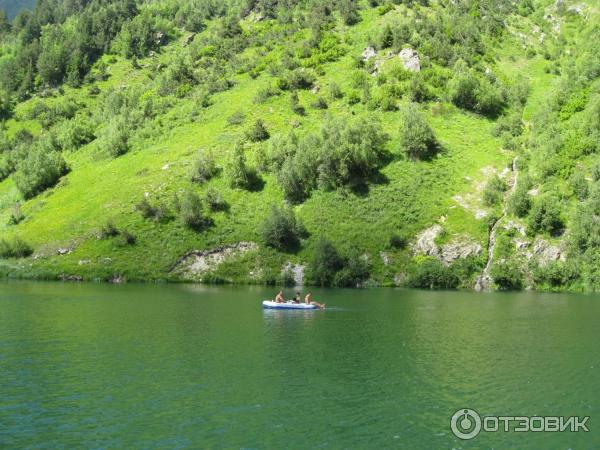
(235, 168)
(417, 138)
(281, 230)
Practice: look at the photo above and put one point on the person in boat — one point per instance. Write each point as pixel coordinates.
(297, 298)
(279, 297)
(308, 300)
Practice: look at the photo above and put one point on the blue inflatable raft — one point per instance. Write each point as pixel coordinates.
(269, 304)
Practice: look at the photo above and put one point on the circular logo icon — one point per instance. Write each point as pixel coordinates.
(465, 424)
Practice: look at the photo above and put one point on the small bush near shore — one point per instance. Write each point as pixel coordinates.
(15, 248)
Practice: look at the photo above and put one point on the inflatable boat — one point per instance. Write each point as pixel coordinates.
(269, 304)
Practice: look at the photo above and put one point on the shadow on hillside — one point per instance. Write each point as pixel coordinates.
(362, 189)
(255, 182)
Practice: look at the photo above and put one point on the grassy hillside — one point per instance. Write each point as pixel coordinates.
(104, 166)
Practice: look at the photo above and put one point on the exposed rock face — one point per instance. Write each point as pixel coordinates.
(460, 248)
(368, 53)
(511, 225)
(425, 244)
(194, 264)
(545, 253)
(297, 270)
(385, 258)
(411, 59)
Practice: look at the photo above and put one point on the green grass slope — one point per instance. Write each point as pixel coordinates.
(63, 224)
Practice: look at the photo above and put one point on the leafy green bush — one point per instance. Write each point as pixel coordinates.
(585, 228)
(215, 200)
(191, 211)
(258, 132)
(205, 167)
(507, 276)
(127, 238)
(158, 212)
(320, 103)
(356, 270)
(16, 216)
(418, 90)
(265, 93)
(579, 185)
(281, 230)
(108, 230)
(143, 34)
(430, 273)
(6, 105)
(494, 191)
(235, 168)
(520, 202)
(114, 137)
(295, 104)
(346, 153)
(324, 264)
(296, 79)
(334, 91)
(556, 274)
(237, 118)
(39, 171)
(546, 216)
(398, 241)
(417, 139)
(349, 11)
(15, 248)
(75, 133)
(351, 151)
(511, 123)
(469, 91)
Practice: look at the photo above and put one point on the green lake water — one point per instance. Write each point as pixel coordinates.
(186, 366)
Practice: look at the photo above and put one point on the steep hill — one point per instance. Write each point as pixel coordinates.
(429, 144)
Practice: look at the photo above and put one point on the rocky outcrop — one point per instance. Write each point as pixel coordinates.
(484, 280)
(195, 264)
(425, 243)
(460, 248)
(297, 270)
(385, 258)
(545, 253)
(411, 59)
(457, 248)
(368, 53)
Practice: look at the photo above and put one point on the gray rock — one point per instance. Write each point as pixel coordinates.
(385, 258)
(521, 244)
(425, 244)
(411, 59)
(297, 270)
(196, 263)
(368, 53)
(545, 253)
(460, 248)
